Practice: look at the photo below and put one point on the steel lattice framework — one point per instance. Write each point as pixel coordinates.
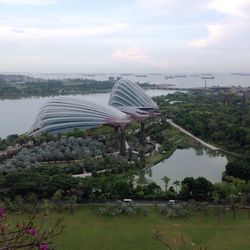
(128, 94)
(65, 113)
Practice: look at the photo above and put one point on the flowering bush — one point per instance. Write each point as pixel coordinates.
(27, 235)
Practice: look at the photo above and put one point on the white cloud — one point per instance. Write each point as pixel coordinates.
(156, 4)
(235, 8)
(171, 7)
(215, 34)
(11, 33)
(230, 27)
(137, 55)
(28, 2)
(230, 7)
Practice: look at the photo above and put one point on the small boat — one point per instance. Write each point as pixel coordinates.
(180, 75)
(141, 75)
(169, 77)
(207, 77)
(126, 74)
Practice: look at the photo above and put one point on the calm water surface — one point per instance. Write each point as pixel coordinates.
(190, 81)
(17, 116)
(186, 163)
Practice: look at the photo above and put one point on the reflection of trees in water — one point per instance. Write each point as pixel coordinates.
(145, 176)
(213, 153)
(199, 150)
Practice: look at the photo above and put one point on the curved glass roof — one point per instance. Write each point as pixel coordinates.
(130, 94)
(65, 113)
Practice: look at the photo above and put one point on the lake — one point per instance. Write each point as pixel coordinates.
(191, 162)
(17, 116)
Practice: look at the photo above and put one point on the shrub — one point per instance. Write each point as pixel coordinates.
(120, 208)
(174, 210)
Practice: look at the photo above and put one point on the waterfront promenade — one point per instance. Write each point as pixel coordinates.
(203, 143)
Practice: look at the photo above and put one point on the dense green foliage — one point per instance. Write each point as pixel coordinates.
(23, 86)
(47, 167)
(223, 121)
(239, 169)
(220, 118)
(53, 87)
(12, 140)
(42, 182)
(199, 188)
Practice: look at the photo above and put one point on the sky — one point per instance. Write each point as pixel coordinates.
(137, 36)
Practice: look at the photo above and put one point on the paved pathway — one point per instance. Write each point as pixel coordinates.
(209, 146)
(212, 147)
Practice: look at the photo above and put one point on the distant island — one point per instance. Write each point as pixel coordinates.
(241, 74)
(19, 86)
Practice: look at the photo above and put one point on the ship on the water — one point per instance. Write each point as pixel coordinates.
(169, 77)
(141, 75)
(207, 77)
(126, 74)
(180, 75)
(241, 74)
(89, 74)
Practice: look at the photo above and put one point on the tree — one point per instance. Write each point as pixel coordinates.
(239, 169)
(122, 189)
(203, 189)
(166, 181)
(187, 187)
(151, 190)
(221, 191)
(199, 189)
(236, 187)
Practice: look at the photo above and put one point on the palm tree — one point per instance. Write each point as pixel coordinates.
(166, 181)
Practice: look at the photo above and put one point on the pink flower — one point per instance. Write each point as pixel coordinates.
(31, 231)
(43, 246)
(1, 212)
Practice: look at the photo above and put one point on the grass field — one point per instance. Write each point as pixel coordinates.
(87, 230)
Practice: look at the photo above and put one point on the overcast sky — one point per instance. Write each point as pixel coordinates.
(69, 36)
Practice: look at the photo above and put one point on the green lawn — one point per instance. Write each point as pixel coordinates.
(85, 229)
